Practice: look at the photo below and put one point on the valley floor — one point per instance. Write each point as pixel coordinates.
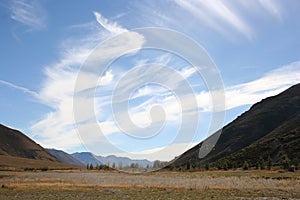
(155, 185)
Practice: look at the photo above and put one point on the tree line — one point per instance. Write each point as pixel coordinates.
(134, 165)
(225, 164)
(193, 164)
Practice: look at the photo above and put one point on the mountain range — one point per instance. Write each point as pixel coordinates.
(64, 157)
(89, 158)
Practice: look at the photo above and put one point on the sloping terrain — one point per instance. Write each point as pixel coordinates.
(17, 151)
(64, 157)
(87, 158)
(15, 143)
(19, 163)
(284, 140)
(271, 124)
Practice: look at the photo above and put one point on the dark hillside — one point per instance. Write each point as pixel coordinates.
(17, 151)
(273, 119)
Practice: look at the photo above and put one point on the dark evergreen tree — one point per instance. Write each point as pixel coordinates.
(225, 165)
(91, 166)
(207, 166)
(270, 163)
(172, 166)
(245, 165)
(261, 163)
(285, 162)
(188, 165)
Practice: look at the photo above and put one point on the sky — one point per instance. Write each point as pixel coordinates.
(137, 106)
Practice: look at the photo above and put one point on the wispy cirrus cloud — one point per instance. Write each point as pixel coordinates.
(216, 13)
(57, 91)
(228, 18)
(112, 27)
(57, 127)
(247, 93)
(28, 13)
(270, 84)
(254, 91)
(20, 88)
(272, 7)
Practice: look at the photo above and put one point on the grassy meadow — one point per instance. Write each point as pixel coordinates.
(78, 184)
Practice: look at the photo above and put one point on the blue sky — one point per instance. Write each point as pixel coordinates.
(254, 44)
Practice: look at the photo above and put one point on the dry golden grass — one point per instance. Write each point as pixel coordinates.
(12, 163)
(163, 185)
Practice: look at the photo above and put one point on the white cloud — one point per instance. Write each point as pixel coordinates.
(56, 128)
(20, 88)
(249, 93)
(187, 72)
(112, 27)
(29, 13)
(149, 90)
(140, 114)
(229, 17)
(159, 90)
(160, 153)
(107, 78)
(272, 83)
(57, 92)
(272, 7)
(216, 14)
(224, 13)
(58, 88)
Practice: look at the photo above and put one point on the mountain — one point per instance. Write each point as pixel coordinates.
(284, 140)
(15, 143)
(88, 158)
(268, 128)
(64, 157)
(17, 151)
(124, 160)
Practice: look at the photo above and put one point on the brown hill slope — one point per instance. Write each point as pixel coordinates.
(272, 118)
(17, 151)
(15, 143)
